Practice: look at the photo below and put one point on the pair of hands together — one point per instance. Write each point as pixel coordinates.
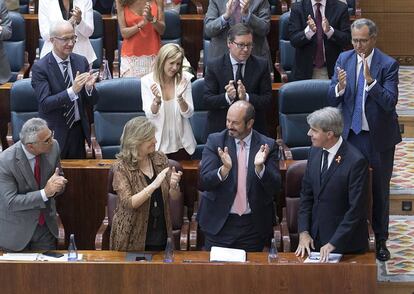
(76, 16)
(174, 181)
(306, 244)
(259, 159)
(147, 14)
(342, 74)
(312, 25)
(55, 184)
(86, 79)
(232, 91)
(231, 6)
(182, 86)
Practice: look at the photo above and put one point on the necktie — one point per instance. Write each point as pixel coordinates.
(69, 114)
(239, 75)
(319, 59)
(357, 114)
(324, 169)
(37, 178)
(240, 202)
(237, 12)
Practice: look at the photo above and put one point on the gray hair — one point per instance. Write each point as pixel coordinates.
(372, 27)
(30, 129)
(55, 28)
(327, 119)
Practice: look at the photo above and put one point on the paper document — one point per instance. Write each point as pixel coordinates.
(314, 257)
(34, 257)
(227, 254)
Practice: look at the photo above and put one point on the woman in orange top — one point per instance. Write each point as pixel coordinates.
(141, 23)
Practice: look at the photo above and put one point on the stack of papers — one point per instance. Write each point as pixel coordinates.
(227, 254)
(314, 257)
(34, 257)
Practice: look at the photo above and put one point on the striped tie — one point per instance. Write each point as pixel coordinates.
(69, 113)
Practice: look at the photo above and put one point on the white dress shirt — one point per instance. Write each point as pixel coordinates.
(332, 152)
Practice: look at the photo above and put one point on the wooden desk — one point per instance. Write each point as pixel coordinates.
(108, 272)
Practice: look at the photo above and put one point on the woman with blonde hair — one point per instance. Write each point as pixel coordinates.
(143, 182)
(141, 23)
(168, 103)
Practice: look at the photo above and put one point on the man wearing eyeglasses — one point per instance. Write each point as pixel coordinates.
(319, 31)
(29, 181)
(64, 88)
(365, 85)
(237, 75)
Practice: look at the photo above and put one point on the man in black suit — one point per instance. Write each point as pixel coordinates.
(333, 201)
(239, 176)
(237, 76)
(64, 86)
(319, 30)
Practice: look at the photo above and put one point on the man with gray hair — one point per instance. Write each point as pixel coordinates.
(333, 201)
(29, 181)
(365, 86)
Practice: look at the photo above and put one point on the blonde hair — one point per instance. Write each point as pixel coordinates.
(168, 51)
(136, 131)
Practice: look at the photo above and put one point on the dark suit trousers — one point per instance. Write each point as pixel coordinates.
(238, 232)
(75, 143)
(382, 165)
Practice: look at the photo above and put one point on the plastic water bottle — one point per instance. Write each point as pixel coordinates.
(169, 251)
(273, 256)
(72, 251)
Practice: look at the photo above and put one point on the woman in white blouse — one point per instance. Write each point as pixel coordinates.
(168, 103)
(79, 13)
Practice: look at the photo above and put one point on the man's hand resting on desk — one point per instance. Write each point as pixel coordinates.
(305, 244)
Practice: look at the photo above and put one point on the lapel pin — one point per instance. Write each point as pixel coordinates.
(338, 159)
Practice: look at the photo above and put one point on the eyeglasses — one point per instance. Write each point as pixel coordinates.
(241, 46)
(47, 141)
(360, 41)
(67, 40)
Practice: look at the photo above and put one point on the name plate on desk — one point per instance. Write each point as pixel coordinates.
(227, 254)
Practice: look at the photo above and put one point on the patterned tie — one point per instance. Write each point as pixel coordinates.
(324, 169)
(319, 59)
(357, 114)
(237, 12)
(36, 172)
(69, 113)
(240, 202)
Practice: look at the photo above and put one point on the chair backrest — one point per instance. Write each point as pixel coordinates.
(199, 119)
(172, 33)
(23, 105)
(297, 100)
(97, 39)
(119, 101)
(15, 46)
(286, 50)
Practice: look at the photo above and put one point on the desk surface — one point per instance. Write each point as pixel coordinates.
(108, 272)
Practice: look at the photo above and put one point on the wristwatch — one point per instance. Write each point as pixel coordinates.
(154, 19)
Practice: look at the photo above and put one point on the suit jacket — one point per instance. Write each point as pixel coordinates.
(51, 92)
(49, 13)
(380, 101)
(6, 33)
(259, 22)
(337, 14)
(20, 198)
(218, 196)
(258, 86)
(335, 211)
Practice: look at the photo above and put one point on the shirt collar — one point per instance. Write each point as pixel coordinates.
(29, 155)
(323, 3)
(235, 62)
(246, 139)
(334, 149)
(369, 58)
(58, 59)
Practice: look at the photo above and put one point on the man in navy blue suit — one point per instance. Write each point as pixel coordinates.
(365, 86)
(240, 176)
(333, 201)
(64, 86)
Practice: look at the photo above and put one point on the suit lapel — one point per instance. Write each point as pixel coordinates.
(231, 145)
(56, 70)
(254, 148)
(351, 71)
(308, 9)
(334, 165)
(228, 69)
(24, 167)
(317, 171)
(375, 65)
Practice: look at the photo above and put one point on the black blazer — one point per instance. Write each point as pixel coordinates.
(218, 197)
(337, 14)
(258, 86)
(50, 89)
(336, 211)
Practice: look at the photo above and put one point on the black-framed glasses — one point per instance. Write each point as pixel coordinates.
(241, 46)
(74, 38)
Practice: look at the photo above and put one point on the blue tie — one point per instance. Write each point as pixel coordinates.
(357, 115)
